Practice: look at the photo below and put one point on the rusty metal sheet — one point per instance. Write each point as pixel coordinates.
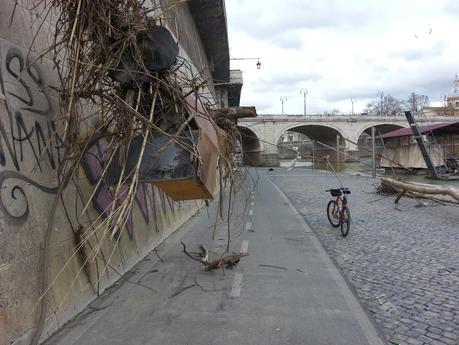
(202, 118)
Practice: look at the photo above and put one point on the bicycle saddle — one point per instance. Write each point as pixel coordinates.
(335, 192)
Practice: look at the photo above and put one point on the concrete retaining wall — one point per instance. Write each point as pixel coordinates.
(29, 111)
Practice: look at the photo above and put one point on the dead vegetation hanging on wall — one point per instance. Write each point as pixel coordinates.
(122, 80)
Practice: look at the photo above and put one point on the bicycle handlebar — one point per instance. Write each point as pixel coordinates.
(344, 189)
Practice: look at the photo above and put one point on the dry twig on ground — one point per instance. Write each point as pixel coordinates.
(228, 261)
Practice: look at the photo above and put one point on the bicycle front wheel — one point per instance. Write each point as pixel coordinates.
(345, 222)
(333, 213)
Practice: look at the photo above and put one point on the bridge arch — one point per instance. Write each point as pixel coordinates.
(250, 146)
(324, 136)
(363, 136)
(382, 128)
(314, 131)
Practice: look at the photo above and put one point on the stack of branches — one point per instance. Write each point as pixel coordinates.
(104, 53)
(443, 195)
(101, 50)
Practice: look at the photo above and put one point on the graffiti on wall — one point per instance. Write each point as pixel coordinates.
(26, 126)
(105, 196)
(28, 138)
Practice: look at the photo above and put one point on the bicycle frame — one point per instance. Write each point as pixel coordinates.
(341, 202)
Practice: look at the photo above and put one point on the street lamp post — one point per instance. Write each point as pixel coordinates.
(258, 64)
(305, 93)
(380, 94)
(283, 99)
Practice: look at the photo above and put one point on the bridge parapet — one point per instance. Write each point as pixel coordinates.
(342, 118)
(269, 128)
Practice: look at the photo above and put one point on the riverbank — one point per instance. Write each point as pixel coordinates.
(403, 262)
(363, 168)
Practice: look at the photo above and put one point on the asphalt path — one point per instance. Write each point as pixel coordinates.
(286, 291)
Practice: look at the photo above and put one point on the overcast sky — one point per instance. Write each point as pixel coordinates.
(339, 50)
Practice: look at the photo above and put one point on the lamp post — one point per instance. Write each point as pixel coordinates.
(352, 101)
(258, 64)
(373, 152)
(283, 99)
(305, 93)
(380, 94)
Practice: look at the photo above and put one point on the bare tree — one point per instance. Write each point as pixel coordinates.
(387, 105)
(416, 102)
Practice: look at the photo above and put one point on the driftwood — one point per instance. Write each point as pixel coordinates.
(402, 193)
(202, 256)
(442, 200)
(228, 261)
(440, 194)
(234, 112)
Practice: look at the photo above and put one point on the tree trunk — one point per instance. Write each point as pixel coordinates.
(422, 189)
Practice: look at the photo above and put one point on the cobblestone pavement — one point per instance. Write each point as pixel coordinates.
(403, 263)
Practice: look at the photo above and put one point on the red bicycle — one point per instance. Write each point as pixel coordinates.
(337, 210)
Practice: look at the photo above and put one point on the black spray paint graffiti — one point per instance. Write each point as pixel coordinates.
(25, 123)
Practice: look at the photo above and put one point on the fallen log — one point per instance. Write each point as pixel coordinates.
(234, 112)
(420, 190)
(438, 199)
(402, 193)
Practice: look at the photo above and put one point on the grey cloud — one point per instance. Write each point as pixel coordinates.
(288, 40)
(261, 105)
(415, 54)
(421, 73)
(274, 17)
(452, 8)
(425, 83)
(380, 69)
(285, 82)
(428, 81)
(427, 69)
(419, 54)
(343, 94)
(435, 85)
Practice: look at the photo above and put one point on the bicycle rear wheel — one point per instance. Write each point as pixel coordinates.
(345, 223)
(332, 213)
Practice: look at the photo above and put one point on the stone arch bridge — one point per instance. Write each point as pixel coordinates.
(260, 136)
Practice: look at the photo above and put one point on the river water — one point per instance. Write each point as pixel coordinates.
(363, 168)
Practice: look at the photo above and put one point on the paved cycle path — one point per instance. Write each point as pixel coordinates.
(286, 291)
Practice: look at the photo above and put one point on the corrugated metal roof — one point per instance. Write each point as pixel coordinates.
(436, 128)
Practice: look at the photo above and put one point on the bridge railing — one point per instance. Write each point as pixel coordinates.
(343, 117)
